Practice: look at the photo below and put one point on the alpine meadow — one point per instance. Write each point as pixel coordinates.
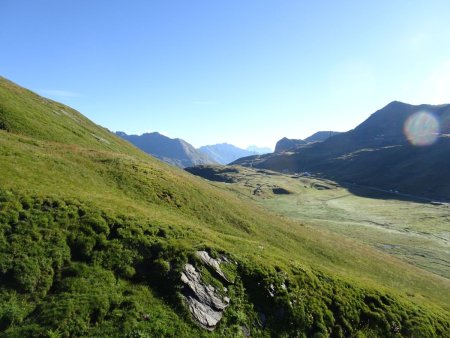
(96, 235)
(272, 169)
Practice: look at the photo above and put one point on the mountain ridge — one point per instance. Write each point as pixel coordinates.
(224, 153)
(286, 144)
(173, 151)
(320, 136)
(365, 155)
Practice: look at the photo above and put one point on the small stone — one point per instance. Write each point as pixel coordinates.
(271, 290)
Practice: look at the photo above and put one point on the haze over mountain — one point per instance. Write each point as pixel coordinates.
(401, 147)
(170, 73)
(259, 150)
(173, 151)
(224, 153)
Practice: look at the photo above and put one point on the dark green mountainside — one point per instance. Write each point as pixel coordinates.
(376, 153)
(98, 239)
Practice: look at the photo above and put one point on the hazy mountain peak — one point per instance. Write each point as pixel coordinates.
(224, 153)
(259, 150)
(173, 151)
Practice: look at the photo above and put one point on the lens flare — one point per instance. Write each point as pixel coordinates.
(421, 129)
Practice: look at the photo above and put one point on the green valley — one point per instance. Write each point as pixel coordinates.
(406, 227)
(97, 239)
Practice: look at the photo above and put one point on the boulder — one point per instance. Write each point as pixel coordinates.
(213, 264)
(205, 304)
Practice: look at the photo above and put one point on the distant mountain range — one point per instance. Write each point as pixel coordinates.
(180, 153)
(287, 144)
(384, 151)
(258, 150)
(224, 153)
(173, 151)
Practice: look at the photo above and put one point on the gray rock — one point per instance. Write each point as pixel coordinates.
(204, 303)
(271, 290)
(212, 263)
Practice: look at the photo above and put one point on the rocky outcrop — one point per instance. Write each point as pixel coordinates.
(285, 144)
(205, 304)
(214, 264)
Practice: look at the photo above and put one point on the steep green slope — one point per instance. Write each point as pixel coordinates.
(26, 113)
(95, 235)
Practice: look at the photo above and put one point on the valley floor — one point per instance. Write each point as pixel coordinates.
(412, 230)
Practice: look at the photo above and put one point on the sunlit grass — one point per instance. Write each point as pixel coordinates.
(110, 209)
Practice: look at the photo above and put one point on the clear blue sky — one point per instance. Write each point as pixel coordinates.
(244, 72)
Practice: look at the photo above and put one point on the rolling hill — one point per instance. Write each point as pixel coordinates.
(99, 239)
(173, 151)
(379, 153)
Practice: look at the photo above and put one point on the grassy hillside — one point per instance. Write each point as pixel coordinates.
(26, 113)
(95, 234)
(414, 230)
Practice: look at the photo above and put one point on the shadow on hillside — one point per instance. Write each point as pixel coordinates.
(376, 193)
